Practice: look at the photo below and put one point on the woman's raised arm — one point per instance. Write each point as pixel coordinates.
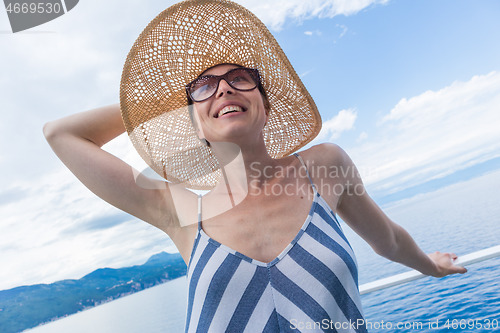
(77, 141)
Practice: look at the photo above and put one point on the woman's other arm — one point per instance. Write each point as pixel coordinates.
(387, 238)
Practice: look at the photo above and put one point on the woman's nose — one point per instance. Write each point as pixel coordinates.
(224, 88)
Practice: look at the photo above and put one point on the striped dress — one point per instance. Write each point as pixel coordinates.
(312, 286)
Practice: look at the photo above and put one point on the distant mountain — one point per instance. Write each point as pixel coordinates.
(29, 306)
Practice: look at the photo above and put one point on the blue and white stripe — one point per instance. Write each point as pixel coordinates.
(312, 284)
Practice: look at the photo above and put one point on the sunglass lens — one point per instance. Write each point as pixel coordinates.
(241, 79)
(203, 88)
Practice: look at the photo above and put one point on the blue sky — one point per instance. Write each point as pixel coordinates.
(410, 89)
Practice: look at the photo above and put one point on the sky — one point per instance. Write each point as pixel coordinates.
(410, 89)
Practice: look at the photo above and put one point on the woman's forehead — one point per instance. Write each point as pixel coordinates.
(220, 69)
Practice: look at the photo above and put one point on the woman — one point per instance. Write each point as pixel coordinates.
(264, 250)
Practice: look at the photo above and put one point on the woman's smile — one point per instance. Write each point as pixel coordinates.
(230, 109)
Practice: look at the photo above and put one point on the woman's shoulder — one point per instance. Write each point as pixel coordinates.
(327, 154)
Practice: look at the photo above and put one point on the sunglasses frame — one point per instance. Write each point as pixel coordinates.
(254, 74)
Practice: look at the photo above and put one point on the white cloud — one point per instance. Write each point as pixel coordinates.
(343, 28)
(434, 134)
(54, 228)
(311, 33)
(333, 128)
(363, 136)
(304, 74)
(70, 64)
(58, 230)
(275, 13)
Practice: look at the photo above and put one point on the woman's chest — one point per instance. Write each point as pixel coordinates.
(260, 229)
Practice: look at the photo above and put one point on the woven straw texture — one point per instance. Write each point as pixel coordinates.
(179, 44)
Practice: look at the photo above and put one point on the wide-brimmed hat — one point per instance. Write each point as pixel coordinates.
(179, 44)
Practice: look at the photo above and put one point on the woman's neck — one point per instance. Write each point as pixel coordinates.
(246, 170)
(243, 167)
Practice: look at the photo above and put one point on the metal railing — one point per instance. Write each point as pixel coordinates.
(395, 280)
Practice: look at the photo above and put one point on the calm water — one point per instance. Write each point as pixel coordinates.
(462, 218)
(154, 310)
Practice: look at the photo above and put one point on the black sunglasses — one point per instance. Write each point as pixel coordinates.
(204, 87)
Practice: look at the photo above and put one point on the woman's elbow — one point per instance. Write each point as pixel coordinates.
(383, 251)
(49, 130)
(387, 248)
(53, 131)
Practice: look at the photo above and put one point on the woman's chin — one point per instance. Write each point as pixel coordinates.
(233, 133)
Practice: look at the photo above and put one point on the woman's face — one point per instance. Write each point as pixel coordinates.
(230, 115)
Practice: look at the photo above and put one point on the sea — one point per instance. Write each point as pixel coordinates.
(462, 218)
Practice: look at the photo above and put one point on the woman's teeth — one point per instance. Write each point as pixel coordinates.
(229, 108)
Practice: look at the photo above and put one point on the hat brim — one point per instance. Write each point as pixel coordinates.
(179, 44)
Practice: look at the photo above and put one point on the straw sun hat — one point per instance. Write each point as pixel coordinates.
(179, 44)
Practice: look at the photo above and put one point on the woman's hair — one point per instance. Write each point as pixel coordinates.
(190, 103)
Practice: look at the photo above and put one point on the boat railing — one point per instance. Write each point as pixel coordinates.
(398, 279)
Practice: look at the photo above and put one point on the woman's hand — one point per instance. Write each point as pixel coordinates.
(444, 263)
